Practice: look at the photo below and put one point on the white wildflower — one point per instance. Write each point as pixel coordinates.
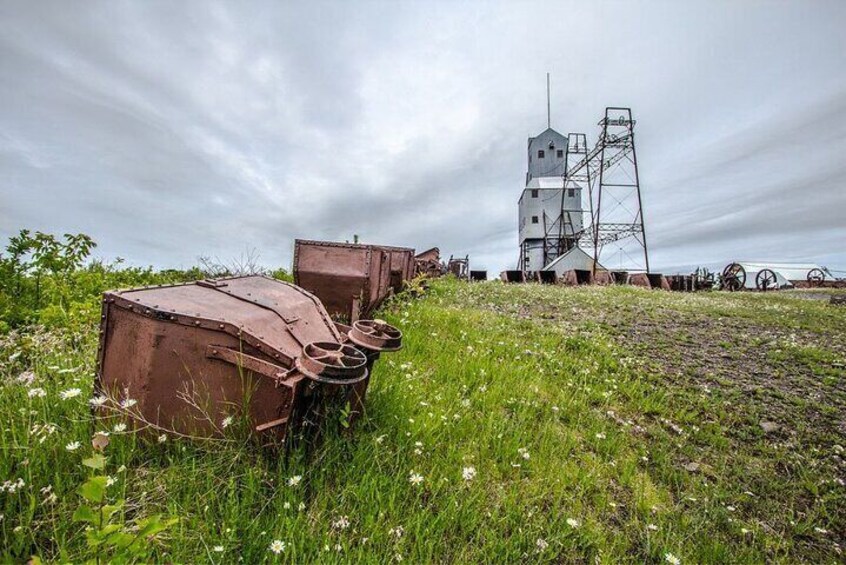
(469, 473)
(162, 438)
(128, 403)
(98, 400)
(27, 377)
(572, 522)
(301, 506)
(110, 481)
(226, 422)
(121, 427)
(341, 523)
(287, 506)
(524, 453)
(541, 544)
(73, 446)
(277, 546)
(295, 480)
(397, 532)
(218, 549)
(415, 478)
(672, 559)
(381, 438)
(70, 393)
(820, 530)
(36, 393)
(600, 435)
(652, 527)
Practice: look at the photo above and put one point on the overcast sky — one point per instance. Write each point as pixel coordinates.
(172, 130)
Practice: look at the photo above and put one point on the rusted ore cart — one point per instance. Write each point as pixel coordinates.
(190, 355)
(351, 279)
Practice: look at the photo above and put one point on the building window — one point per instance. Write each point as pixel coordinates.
(540, 154)
(534, 219)
(571, 192)
(534, 193)
(560, 153)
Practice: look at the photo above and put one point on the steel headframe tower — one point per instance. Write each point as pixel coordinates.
(609, 172)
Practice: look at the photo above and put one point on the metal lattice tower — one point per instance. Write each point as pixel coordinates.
(609, 171)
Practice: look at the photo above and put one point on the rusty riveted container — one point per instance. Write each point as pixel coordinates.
(350, 279)
(193, 354)
(401, 261)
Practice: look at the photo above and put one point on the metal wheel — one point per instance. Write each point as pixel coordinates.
(376, 335)
(815, 277)
(332, 363)
(734, 277)
(766, 280)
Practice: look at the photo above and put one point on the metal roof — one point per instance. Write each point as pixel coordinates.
(546, 182)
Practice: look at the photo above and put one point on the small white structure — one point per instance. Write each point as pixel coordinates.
(574, 259)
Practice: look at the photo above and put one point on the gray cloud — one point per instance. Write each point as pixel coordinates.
(168, 131)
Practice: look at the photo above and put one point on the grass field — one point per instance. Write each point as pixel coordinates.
(520, 423)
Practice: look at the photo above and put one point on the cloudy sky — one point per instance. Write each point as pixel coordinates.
(173, 130)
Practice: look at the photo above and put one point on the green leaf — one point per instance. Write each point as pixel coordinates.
(152, 525)
(109, 509)
(107, 531)
(122, 540)
(85, 514)
(93, 537)
(93, 489)
(96, 461)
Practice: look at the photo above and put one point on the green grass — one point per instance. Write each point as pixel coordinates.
(603, 424)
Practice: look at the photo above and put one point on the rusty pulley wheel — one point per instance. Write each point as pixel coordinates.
(332, 363)
(376, 335)
(734, 277)
(815, 277)
(766, 280)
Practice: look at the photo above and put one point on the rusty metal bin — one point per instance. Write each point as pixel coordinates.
(401, 260)
(658, 281)
(349, 278)
(478, 275)
(191, 355)
(513, 276)
(547, 277)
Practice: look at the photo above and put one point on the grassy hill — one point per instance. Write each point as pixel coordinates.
(520, 423)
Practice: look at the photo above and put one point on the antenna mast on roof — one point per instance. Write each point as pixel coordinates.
(548, 114)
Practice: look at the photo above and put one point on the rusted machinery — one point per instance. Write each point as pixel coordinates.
(701, 279)
(187, 357)
(773, 276)
(350, 279)
(428, 263)
(458, 266)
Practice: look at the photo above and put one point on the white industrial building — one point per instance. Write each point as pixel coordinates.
(550, 217)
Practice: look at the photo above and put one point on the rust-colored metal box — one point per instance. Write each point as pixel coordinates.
(186, 357)
(402, 265)
(350, 279)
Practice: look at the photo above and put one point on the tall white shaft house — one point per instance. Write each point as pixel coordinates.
(550, 217)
